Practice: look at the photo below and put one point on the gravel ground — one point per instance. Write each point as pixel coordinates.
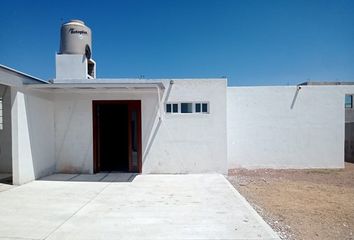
(301, 204)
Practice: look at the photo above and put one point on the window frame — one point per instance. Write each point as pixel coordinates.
(178, 108)
(207, 107)
(172, 108)
(191, 109)
(200, 107)
(168, 108)
(194, 107)
(350, 105)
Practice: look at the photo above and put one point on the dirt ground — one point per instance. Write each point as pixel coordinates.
(301, 204)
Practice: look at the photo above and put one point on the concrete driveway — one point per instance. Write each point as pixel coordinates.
(195, 206)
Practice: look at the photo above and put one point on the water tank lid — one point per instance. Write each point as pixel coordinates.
(75, 21)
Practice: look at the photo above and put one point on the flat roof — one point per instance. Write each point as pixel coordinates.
(111, 83)
(126, 80)
(324, 83)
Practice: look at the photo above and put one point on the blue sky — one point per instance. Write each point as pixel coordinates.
(251, 42)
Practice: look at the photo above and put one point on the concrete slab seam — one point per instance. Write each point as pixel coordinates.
(78, 210)
(11, 188)
(73, 177)
(252, 211)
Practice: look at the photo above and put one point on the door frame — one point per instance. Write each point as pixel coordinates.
(132, 104)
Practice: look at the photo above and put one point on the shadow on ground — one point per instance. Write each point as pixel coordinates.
(6, 178)
(98, 177)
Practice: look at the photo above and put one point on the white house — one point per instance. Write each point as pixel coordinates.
(77, 123)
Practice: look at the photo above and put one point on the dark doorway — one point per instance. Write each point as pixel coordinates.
(113, 137)
(117, 136)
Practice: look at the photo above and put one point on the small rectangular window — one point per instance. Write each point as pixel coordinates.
(168, 108)
(186, 108)
(348, 101)
(175, 108)
(171, 107)
(198, 107)
(1, 114)
(205, 108)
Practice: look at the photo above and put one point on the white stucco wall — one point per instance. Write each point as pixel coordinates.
(273, 127)
(192, 142)
(178, 144)
(74, 130)
(5, 133)
(32, 135)
(70, 66)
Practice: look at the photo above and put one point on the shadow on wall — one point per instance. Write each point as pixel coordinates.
(39, 114)
(152, 132)
(5, 130)
(298, 88)
(79, 165)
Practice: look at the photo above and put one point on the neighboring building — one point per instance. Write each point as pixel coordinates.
(349, 128)
(80, 124)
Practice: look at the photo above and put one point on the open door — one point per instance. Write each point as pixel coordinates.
(134, 136)
(117, 136)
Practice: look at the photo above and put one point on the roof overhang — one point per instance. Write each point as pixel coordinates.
(100, 84)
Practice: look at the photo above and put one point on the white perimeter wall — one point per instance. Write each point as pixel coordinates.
(178, 144)
(32, 135)
(273, 127)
